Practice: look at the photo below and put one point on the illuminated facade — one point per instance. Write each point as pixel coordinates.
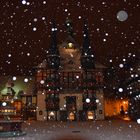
(69, 83)
(113, 107)
(21, 96)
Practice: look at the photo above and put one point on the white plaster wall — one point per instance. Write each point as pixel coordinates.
(79, 102)
(24, 100)
(41, 106)
(100, 105)
(62, 102)
(58, 115)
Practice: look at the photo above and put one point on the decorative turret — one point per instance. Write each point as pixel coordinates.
(53, 57)
(87, 57)
(69, 27)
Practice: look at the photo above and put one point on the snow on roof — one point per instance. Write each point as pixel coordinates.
(43, 64)
(99, 65)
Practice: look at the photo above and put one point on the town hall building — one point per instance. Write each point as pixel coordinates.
(67, 86)
(69, 82)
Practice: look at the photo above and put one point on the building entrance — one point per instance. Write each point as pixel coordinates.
(71, 103)
(71, 107)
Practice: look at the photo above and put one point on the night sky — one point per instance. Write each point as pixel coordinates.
(25, 28)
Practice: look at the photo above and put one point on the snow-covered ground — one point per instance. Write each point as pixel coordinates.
(97, 130)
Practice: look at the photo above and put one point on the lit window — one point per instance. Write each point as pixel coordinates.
(70, 45)
(51, 115)
(90, 115)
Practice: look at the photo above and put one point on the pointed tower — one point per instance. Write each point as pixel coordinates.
(52, 78)
(69, 27)
(87, 56)
(70, 50)
(53, 57)
(70, 91)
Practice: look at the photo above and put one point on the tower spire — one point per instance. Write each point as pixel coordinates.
(86, 40)
(69, 27)
(87, 57)
(53, 48)
(53, 57)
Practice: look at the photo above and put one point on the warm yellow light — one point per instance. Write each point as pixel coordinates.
(70, 45)
(12, 101)
(51, 114)
(71, 116)
(124, 102)
(90, 115)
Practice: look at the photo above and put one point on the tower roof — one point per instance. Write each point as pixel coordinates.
(69, 54)
(86, 50)
(53, 50)
(69, 27)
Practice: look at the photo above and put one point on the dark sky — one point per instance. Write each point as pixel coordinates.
(25, 30)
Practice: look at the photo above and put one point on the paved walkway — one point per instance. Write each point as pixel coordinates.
(97, 130)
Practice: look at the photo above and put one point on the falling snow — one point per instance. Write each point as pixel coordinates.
(122, 15)
(25, 22)
(25, 28)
